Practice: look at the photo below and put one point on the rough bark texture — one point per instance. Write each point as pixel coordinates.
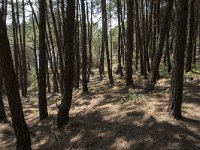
(129, 69)
(63, 114)
(105, 39)
(139, 38)
(119, 68)
(175, 100)
(190, 46)
(158, 55)
(84, 49)
(2, 108)
(9, 75)
(42, 61)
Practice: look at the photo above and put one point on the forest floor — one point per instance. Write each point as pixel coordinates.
(114, 117)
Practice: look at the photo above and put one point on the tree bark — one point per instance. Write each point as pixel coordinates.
(42, 61)
(175, 99)
(189, 52)
(158, 55)
(14, 100)
(129, 69)
(3, 116)
(63, 114)
(84, 49)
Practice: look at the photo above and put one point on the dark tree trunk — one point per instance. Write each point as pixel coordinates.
(2, 108)
(63, 114)
(191, 19)
(14, 100)
(167, 51)
(84, 49)
(58, 45)
(129, 69)
(35, 48)
(139, 38)
(119, 68)
(158, 55)
(144, 39)
(90, 33)
(15, 39)
(105, 38)
(77, 50)
(24, 66)
(53, 65)
(42, 61)
(175, 99)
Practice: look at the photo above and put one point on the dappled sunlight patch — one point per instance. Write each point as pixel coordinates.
(121, 143)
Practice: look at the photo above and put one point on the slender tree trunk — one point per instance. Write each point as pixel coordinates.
(188, 66)
(77, 50)
(53, 66)
(84, 49)
(58, 45)
(63, 114)
(144, 40)
(35, 48)
(15, 40)
(105, 38)
(119, 68)
(24, 66)
(129, 69)
(42, 61)
(175, 99)
(139, 38)
(90, 29)
(157, 58)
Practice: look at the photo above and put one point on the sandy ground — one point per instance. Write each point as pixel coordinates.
(114, 117)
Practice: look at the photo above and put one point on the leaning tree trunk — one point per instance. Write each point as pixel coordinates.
(175, 99)
(14, 100)
(158, 55)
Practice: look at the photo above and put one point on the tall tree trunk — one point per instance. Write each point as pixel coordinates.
(63, 114)
(129, 69)
(158, 55)
(24, 66)
(42, 61)
(119, 68)
(84, 49)
(16, 51)
(14, 100)
(144, 39)
(105, 39)
(90, 29)
(35, 48)
(139, 38)
(175, 99)
(58, 45)
(188, 66)
(77, 50)
(53, 65)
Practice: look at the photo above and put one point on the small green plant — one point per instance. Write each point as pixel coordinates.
(134, 97)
